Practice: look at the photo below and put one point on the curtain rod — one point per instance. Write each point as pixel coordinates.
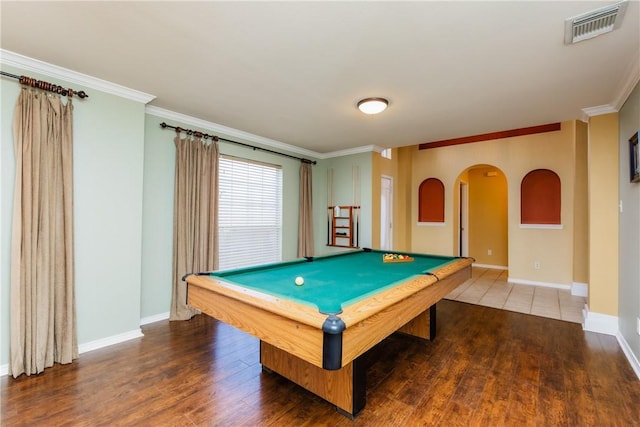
(40, 84)
(217, 138)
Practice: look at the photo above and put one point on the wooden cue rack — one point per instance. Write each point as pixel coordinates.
(343, 226)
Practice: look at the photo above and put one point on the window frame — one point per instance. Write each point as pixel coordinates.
(242, 203)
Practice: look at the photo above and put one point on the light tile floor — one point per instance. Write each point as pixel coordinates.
(489, 287)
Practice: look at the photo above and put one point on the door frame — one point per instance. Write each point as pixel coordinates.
(463, 231)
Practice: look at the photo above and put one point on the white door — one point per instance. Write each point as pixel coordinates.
(386, 214)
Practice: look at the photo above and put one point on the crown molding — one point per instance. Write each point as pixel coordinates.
(351, 151)
(231, 132)
(235, 133)
(26, 63)
(597, 111)
(630, 79)
(36, 66)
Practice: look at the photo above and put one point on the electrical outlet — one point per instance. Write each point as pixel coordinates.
(489, 252)
(536, 265)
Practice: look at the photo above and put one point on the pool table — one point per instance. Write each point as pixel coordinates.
(314, 334)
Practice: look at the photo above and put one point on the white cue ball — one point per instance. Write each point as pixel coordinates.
(299, 281)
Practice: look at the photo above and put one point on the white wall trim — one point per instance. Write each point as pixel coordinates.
(493, 267)
(580, 289)
(598, 110)
(105, 342)
(543, 226)
(431, 224)
(231, 132)
(94, 345)
(235, 133)
(29, 64)
(155, 318)
(34, 65)
(350, 151)
(630, 81)
(597, 322)
(633, 361)
(536, 283)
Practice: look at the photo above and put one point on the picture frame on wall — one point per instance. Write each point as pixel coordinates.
(634, 159)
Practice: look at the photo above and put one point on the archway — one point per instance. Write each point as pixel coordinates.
(481, 216)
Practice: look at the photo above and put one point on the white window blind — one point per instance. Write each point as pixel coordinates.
(249, 213)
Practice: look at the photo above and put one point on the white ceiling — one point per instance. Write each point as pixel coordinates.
(293, 71)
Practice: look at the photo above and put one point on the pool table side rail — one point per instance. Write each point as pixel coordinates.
(361, 310)
(248, 315)
(409, 314)
(309, 315)
(297, 328)
(299, 312)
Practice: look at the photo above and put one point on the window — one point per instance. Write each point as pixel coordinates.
(386, 153)
(431, 201)
(249, 213)
(540, 198)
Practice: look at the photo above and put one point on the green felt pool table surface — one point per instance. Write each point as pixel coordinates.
(333, 282)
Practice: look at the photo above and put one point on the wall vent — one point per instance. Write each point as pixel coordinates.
(594, 23)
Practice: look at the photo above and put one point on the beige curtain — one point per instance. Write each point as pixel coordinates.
(305, 221)
(43, 316)
(195, 217)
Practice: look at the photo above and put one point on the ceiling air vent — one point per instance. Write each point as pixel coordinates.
(594, 23)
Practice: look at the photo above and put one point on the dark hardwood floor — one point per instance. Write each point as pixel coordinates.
(487, 367)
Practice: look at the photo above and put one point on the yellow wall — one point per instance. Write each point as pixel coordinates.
(581, 207)
(517, 156)
(398, 169)
(376, 191)
(488, 222)
(603, 214)
(402, 193)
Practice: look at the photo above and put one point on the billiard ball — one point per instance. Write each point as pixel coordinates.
(299, 281)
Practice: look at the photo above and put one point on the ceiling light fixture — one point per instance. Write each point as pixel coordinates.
(373, 105)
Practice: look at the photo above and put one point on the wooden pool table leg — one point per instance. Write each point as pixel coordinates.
(423, 325)
(345, 387)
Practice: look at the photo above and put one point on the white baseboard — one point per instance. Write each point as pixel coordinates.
(94, 345)
(633, 361)
(155, 318)
(536, 283)
(105, 342)
(601, 323)
(579, 289)
(493, 267)
(593, 322)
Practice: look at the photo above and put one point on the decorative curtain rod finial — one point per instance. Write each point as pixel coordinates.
(50, 87)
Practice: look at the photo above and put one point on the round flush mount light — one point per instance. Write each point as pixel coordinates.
(373, 105)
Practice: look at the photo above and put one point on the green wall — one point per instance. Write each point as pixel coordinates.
(108, 178)
(343, 167)
(629, 287)
(123, 211)
(157, 228)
